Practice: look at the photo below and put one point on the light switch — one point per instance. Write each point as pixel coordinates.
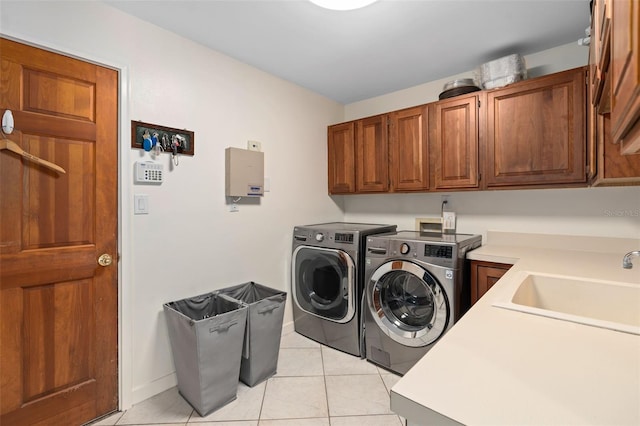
(141, 204)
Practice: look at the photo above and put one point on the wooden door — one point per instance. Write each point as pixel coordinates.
(58, 319)
(409, 149)
(455, 144)
(536, 131)
(372, 154)
(342, 159)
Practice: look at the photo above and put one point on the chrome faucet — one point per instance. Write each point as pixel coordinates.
(626, 260)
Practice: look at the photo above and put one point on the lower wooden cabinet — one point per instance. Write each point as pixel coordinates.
(484, 275)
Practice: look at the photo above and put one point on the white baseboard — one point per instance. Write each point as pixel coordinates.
(287, 328)
(146, 391)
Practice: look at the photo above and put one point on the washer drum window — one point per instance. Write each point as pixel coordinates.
(408, 303)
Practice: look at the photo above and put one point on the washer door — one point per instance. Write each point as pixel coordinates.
(408, 303)
(323, 283)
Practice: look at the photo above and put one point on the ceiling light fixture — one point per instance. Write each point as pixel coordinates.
(342, 4)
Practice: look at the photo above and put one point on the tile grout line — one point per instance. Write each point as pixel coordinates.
(264, 395)
(324, 380)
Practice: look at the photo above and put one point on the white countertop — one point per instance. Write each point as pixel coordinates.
(503, 367)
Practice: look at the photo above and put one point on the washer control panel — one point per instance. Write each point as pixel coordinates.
(343, 237)
(441, 251)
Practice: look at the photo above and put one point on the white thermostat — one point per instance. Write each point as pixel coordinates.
(149, 172)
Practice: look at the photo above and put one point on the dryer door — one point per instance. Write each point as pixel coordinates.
(324, 283)
(408, 303)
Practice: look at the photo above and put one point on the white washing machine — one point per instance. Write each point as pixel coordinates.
(413, 293)
(326, 282)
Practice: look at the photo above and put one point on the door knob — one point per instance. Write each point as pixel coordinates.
(105, 260)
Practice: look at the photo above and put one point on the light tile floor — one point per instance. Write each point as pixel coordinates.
(315, 386)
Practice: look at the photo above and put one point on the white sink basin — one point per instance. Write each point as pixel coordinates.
(606, 304)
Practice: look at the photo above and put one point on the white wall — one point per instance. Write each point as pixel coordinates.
(190, 243)
(606, 212)
(613, 212)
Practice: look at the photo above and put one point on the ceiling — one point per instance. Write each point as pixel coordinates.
(354, 55)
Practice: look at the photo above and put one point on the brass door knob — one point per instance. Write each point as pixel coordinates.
(105, 260)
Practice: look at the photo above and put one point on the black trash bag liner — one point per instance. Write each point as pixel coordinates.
(203, 306)
(252, 292)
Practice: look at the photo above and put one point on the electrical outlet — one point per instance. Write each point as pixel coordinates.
(234, 208)
(254, 146)
(448, 221)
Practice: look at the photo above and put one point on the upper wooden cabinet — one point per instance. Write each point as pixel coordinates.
(600, 54)
(536, 132)
(372, 154)
(608, 166)
(454, 144)
(625, 74)
(342, 150)
(531, 134)
(408, 148)
(383, 153)
(358, 156)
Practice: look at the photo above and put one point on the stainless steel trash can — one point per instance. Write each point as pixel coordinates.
(263, 331)
(207, 335)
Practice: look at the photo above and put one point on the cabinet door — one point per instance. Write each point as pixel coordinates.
(613, 168)
(600, 52)
(409, 150)
(455, 144)
(536, 132)
(625, 74)
(372, 159)
(342, 160)
(483, 276)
